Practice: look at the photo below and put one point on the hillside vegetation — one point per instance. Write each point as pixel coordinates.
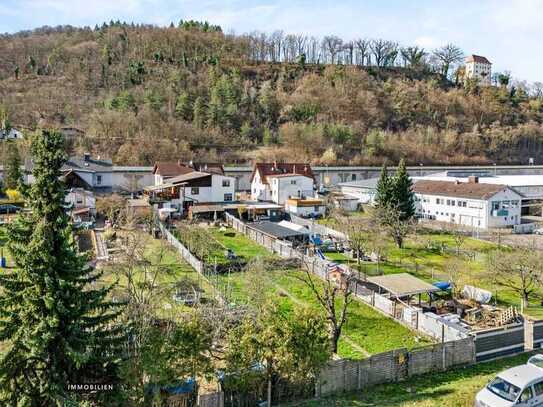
(143, 93)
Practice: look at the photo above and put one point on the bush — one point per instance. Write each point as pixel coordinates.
(14, 195)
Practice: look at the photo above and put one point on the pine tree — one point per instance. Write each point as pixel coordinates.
(199, 112)
(384, 188)
(403, 196)
(57, 327)
(13, 176)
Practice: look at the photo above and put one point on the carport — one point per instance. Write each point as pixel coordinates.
(403, 285)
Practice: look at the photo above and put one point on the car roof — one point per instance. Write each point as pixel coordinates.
(522, 375)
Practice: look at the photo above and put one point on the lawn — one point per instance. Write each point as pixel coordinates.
(428, 254)
(239, 243)
(366, 332)
(456, 388)
(173, 269)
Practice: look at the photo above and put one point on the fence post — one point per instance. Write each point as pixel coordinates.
(528, 335)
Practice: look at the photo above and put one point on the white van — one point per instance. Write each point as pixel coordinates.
(520, 386)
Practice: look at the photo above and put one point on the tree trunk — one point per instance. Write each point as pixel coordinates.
(334, 338)
(525, 300)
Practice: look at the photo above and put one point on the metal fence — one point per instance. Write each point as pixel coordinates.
(503, 341)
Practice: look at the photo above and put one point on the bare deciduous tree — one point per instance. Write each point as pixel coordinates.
(334, 297)
(447, 56)
(520, 270)
(331, 45)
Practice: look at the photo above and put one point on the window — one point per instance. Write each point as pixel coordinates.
(503, 389)
(227, 197)
(353, 177)
(538, 388)
(495, 205)
(225, 182)
(316, 208)
(79, 199)
(526, 395)
(448, 202)
(438, 201)
(98, 180)
(194, 191)
(293, 182)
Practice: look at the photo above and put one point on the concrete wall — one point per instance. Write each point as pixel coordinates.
(354, 375)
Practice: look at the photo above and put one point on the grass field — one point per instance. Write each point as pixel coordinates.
(157, 254)
(239, 244)
(366, 332)
(454, 388)
(427, 256)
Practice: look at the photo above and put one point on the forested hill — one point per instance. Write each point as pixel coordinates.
(143, 93)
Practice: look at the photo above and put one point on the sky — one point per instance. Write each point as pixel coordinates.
(508, 32)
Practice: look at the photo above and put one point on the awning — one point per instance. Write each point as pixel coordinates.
(206, 208)
(402, 284)
(294, 226)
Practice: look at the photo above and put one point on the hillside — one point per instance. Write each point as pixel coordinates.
(143, 93)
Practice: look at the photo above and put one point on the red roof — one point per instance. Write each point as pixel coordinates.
(266, 169)
(170, 169)
(478, 58)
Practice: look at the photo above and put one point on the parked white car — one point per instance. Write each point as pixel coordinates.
(520, 386)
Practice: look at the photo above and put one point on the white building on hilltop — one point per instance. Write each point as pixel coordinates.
(478, 67)
(468, 203)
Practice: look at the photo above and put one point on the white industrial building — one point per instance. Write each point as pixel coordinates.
(468, 203)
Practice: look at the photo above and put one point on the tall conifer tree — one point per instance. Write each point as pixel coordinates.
(403, 196)
(13, 176)
(58, 328)
(384, 188)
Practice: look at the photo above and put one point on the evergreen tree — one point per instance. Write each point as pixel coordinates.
(13, 176)
(183, 106)
(199, 112)
(384, 188)
(57, 328)
(402, 196)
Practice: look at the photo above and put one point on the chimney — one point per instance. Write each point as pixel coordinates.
(86, 156)
(473, 179)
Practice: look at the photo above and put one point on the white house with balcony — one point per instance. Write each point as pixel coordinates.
(468, 203)
(277, 182)
(194, 188)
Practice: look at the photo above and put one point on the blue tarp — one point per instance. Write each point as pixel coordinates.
(442, 285)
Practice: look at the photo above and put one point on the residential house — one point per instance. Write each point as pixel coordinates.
(193, 188)
(277, 182)
(164, 170)
(102, 176)
(306, 207)
(479, 68)
(82, 203)
(11, 134)
(468, 203)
